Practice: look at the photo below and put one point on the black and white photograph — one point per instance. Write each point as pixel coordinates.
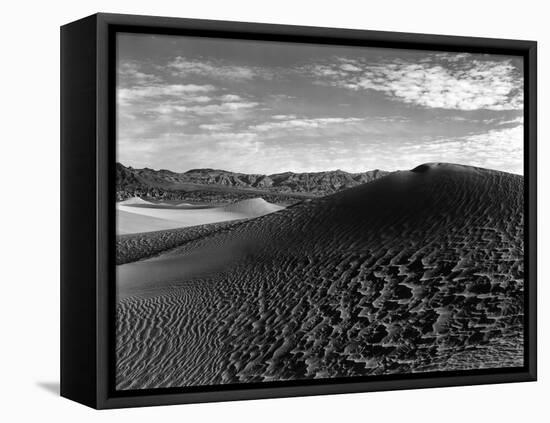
(289, 211)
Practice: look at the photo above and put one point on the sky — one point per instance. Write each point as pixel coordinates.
(269, 107)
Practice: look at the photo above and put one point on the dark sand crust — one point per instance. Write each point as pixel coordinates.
(417, 271)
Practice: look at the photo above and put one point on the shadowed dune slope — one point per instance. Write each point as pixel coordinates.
(420, 270)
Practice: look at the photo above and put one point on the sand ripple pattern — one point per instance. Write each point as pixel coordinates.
(417, 271)
(134, 247)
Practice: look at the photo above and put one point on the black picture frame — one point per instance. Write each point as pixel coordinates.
(87, 208)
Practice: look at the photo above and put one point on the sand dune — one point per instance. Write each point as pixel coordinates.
(141, 216)
(161, 204)
(417, 271)
(138, 246)
(253, 207)
(129, 223)
(134, 201)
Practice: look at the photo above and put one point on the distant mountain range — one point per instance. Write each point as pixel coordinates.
(222, 186)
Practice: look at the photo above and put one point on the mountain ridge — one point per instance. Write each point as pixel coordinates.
(229, 186)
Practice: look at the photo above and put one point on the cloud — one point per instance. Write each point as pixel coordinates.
(281, 97)
(350, 68)
(168, 99)
(219, 108)
(231, 97)
(499, 149)
(301, 123)
(147, 92)
(447, 81)
(182, 66)
(130, 73)
(216, 126)
(283, 117)
(241, 142)
(515, 121)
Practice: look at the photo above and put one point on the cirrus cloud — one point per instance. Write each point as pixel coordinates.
(460, 82)
(147, 92)
(294, 123)
(182, 66)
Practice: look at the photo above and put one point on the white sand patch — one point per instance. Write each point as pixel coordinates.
(132, 219)
(130, 223)
(134, 200)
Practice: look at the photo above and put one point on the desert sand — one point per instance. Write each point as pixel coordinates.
(417, 271)
(138, 246)
(136, 215)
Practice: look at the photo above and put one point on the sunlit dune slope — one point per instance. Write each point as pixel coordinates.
(136, 215)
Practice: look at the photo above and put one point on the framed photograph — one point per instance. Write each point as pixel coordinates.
(254, 211)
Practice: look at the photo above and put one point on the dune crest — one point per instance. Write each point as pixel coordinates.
(253, 207)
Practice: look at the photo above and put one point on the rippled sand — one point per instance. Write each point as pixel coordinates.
(417, 271)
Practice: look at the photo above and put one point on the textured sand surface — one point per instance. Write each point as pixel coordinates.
(141, 216)
(134, 247)
(417, 271)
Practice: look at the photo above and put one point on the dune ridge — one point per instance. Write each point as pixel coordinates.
(417, 271)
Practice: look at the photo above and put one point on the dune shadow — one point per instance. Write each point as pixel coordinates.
(51, 387)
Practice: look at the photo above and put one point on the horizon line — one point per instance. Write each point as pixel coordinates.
(252, 173)
(320, 171)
